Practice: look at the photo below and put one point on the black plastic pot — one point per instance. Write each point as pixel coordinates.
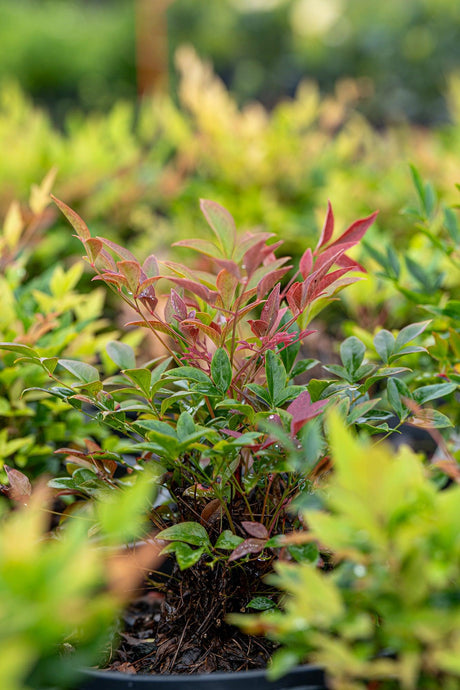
(300, 678)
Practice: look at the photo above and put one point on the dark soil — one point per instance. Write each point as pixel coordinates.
(184, 629)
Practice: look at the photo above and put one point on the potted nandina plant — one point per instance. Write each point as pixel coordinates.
(238, 443)
(210, 415)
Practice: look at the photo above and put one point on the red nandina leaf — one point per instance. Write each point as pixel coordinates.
(247, 546)
(153, 324)
(302, 410)
(74, 219)
(120, 251)
(328, 228)
(248, 241)
(330, 256)
(148, 282)
(229, 266)
(207, 295)
(294, 297)
(178, 305)
(105, 261)
(328, 280)
(132, 271)
(191, 325)
(271, 307)
(258, 327)
(150, 266)
(226, 284)
(20, 487)
(356, 231)
(70, 451)
(94, 247)
(350, 263)
(306, 263)
(113, 278)
(270, 280)
(255, 529)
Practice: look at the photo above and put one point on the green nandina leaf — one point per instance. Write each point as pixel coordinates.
(409, 333)
(189, 532)
(228, 541)
(260, 392)
(450, 221)
(241, 408)
(261, 604)
(185, 555)
(384, 343)
(304, 553)
(428, 418)
(437, 390)
(395, 388)
(221, 370)
(352, 352)
(121, 354)
(190, 374)
(221, 223)
(185, 426)
(20, 349)
(82, 371)
(141, 377)
(155, 425)
(276, 376)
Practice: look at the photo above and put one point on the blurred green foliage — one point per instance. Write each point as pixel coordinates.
(69, 53)
(138, 173)
(83, 51)
(388, 611)
(46, 312)
(60, 593)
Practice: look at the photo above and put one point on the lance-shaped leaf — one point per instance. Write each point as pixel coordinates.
(271, 307)
(222, 224)
(203, 246)
(356, 231)
(74, 219)
(328, 228)
(226, 284)
(201, 291)
(306, 263)
(302, 410)
(221, 370)
(270, 280)
(120, 251)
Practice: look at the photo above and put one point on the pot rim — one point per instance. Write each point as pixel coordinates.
(293, 679)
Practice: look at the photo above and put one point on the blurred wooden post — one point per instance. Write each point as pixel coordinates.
(151, 45)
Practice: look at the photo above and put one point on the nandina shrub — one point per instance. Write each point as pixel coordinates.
(238, 441)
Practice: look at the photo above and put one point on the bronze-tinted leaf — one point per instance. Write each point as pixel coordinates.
(247, 546)
(255, 529)
(20, 487)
